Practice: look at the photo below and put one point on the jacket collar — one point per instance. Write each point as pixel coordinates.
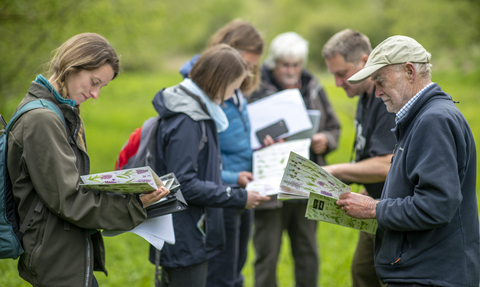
(433, 92)
(268, 78)
(173, 100)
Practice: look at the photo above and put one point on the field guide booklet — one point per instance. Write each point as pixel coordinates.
(157, 230)
(305, 179)
(133, 180)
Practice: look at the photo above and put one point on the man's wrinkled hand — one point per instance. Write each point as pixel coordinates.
(358, 205)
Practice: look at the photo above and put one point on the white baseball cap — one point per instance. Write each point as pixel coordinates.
(394, 50)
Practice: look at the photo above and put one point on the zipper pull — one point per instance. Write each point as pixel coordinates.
(394, 149)
(396, 261)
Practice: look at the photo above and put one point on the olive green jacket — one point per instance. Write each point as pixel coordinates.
(46, 159)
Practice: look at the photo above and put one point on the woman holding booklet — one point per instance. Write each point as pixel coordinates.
(225, 268)
(47, 154)
(189, 147)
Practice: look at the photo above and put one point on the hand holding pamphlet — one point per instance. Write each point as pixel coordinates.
(158, 227)
(305, 179)
(140, 180)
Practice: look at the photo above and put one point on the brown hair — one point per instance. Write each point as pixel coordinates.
(87, 51)
(350, 44)
(217, 67)
(243, 37)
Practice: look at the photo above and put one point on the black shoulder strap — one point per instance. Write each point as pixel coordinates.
(196, 98)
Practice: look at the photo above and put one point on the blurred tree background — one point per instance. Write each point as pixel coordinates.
(154, 36)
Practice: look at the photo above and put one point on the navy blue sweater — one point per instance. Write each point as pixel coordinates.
(428, 227)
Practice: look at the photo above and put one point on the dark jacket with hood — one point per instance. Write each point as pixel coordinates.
(199, 173)
(428, 227)
(44, 159)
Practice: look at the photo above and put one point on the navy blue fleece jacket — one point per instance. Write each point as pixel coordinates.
(428, 227)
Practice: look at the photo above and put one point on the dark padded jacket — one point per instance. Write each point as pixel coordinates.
(199, 173)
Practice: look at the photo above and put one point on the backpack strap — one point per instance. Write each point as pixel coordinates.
(204, 138)
(36, 104)
(196, 98)
(158, 270)
(4, 124)
(37, 204)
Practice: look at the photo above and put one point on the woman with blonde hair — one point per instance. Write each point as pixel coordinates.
(45, 159)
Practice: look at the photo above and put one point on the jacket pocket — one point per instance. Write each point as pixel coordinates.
(391, 247)
(35, 237)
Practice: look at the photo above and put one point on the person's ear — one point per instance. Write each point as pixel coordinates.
(410, 71)
(363, 61)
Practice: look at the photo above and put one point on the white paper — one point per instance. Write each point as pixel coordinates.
(286, 105)
(156, 231)
(314, 116)
(265, 188)
(269, 164)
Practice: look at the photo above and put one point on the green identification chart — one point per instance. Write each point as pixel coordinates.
(304, 178)
(134, 180)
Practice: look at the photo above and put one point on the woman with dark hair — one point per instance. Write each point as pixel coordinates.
(189, 147)
(45, 160)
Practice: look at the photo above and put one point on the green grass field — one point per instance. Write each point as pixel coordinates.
(126, 103)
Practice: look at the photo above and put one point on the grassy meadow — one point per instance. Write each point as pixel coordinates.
(126, 103)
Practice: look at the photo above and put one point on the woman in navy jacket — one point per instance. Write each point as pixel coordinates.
(191, 113)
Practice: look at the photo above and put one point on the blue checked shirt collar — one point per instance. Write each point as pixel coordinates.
(404, 110)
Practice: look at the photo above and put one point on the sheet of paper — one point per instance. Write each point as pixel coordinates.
(314, 116)
(156, 231)
(325, 209)
(286, 105)
(269, 164)
(134, 180)
(263, 187)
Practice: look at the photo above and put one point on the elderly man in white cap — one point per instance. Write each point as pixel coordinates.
(428, 227)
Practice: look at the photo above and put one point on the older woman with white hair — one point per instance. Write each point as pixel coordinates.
(284, 68)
